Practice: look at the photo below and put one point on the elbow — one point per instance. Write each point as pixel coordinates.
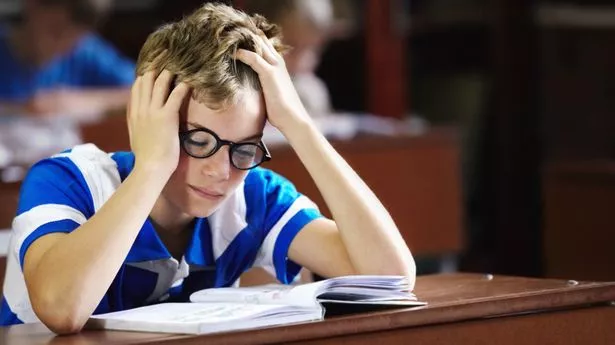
(63, 326)
(60, 317)
(410, 273)
(405, 267)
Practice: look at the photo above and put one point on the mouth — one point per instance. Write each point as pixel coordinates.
(207, 193)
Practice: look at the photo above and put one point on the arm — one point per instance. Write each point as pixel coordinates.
(79, 101)
(363, 239)
(70, 101)
(64, 298)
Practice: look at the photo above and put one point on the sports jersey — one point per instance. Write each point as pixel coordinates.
(254, 226)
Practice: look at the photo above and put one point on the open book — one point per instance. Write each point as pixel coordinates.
(227, 309)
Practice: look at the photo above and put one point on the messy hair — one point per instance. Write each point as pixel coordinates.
(200, 50)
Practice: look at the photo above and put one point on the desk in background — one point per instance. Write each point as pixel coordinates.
(579, 211)
(463, 309)
(418, 179)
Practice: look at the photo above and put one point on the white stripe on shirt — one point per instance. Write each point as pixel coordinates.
(264, 258)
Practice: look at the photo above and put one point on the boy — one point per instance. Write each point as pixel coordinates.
(99, 232)
(52, 63)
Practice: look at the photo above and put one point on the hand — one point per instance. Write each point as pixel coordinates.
(153, 122)
(284, 108)
(54, 102)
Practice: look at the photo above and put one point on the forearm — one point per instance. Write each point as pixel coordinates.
(364, 224)
(103, 100)
(73, 275)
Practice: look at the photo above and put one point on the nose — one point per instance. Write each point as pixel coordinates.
(218, 166)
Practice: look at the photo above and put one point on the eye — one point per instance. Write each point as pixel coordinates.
(245, 153)
(202, 143)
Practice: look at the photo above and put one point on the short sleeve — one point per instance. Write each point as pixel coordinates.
(286, 212)
(104, 65)
(61, 193)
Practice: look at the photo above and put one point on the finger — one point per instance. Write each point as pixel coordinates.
(253, 60)
(147, 84)
(177, 97)
(133, 107)
(269, 53)
(162, 88)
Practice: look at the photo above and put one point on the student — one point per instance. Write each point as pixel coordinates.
(98, 232)
(52, 62)
(306, 26)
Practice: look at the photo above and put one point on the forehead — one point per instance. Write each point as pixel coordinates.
(240, 119)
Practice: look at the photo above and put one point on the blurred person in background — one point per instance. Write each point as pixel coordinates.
(52, 62)
(306, 27)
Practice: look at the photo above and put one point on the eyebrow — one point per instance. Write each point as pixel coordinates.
(250, 138)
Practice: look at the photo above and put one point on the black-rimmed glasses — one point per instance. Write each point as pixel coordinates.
(203, 143)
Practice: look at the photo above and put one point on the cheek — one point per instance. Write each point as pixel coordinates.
(237, 176)
(181, 173)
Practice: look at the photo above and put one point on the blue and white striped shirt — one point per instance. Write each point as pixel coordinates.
(253, 227)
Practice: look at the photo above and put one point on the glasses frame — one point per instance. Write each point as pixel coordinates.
(185, 135)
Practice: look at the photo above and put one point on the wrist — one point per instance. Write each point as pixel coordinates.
(296, 126)
(152, 174)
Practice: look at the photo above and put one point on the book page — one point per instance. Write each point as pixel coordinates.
(199, 318)
(300, 295)
(188, 312)
(362, 289)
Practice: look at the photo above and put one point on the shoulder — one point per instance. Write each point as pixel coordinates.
(101, 63)
(92, 44)
(268, 187)
(273, 194)
(79, 158)
(265, 178)
(85, 158)
(84, 171)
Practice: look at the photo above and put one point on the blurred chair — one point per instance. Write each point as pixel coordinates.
(9, 195)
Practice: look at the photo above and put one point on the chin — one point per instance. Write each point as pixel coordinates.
(201, 209)
(200, 212)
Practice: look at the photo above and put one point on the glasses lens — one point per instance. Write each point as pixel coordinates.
(247, 156)
(200, 144)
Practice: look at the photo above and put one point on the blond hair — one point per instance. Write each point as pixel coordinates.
(200, 50)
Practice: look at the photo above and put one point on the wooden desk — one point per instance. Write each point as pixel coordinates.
(579, 219)
(463, 309)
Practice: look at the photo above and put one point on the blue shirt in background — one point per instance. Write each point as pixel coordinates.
(92, 63)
